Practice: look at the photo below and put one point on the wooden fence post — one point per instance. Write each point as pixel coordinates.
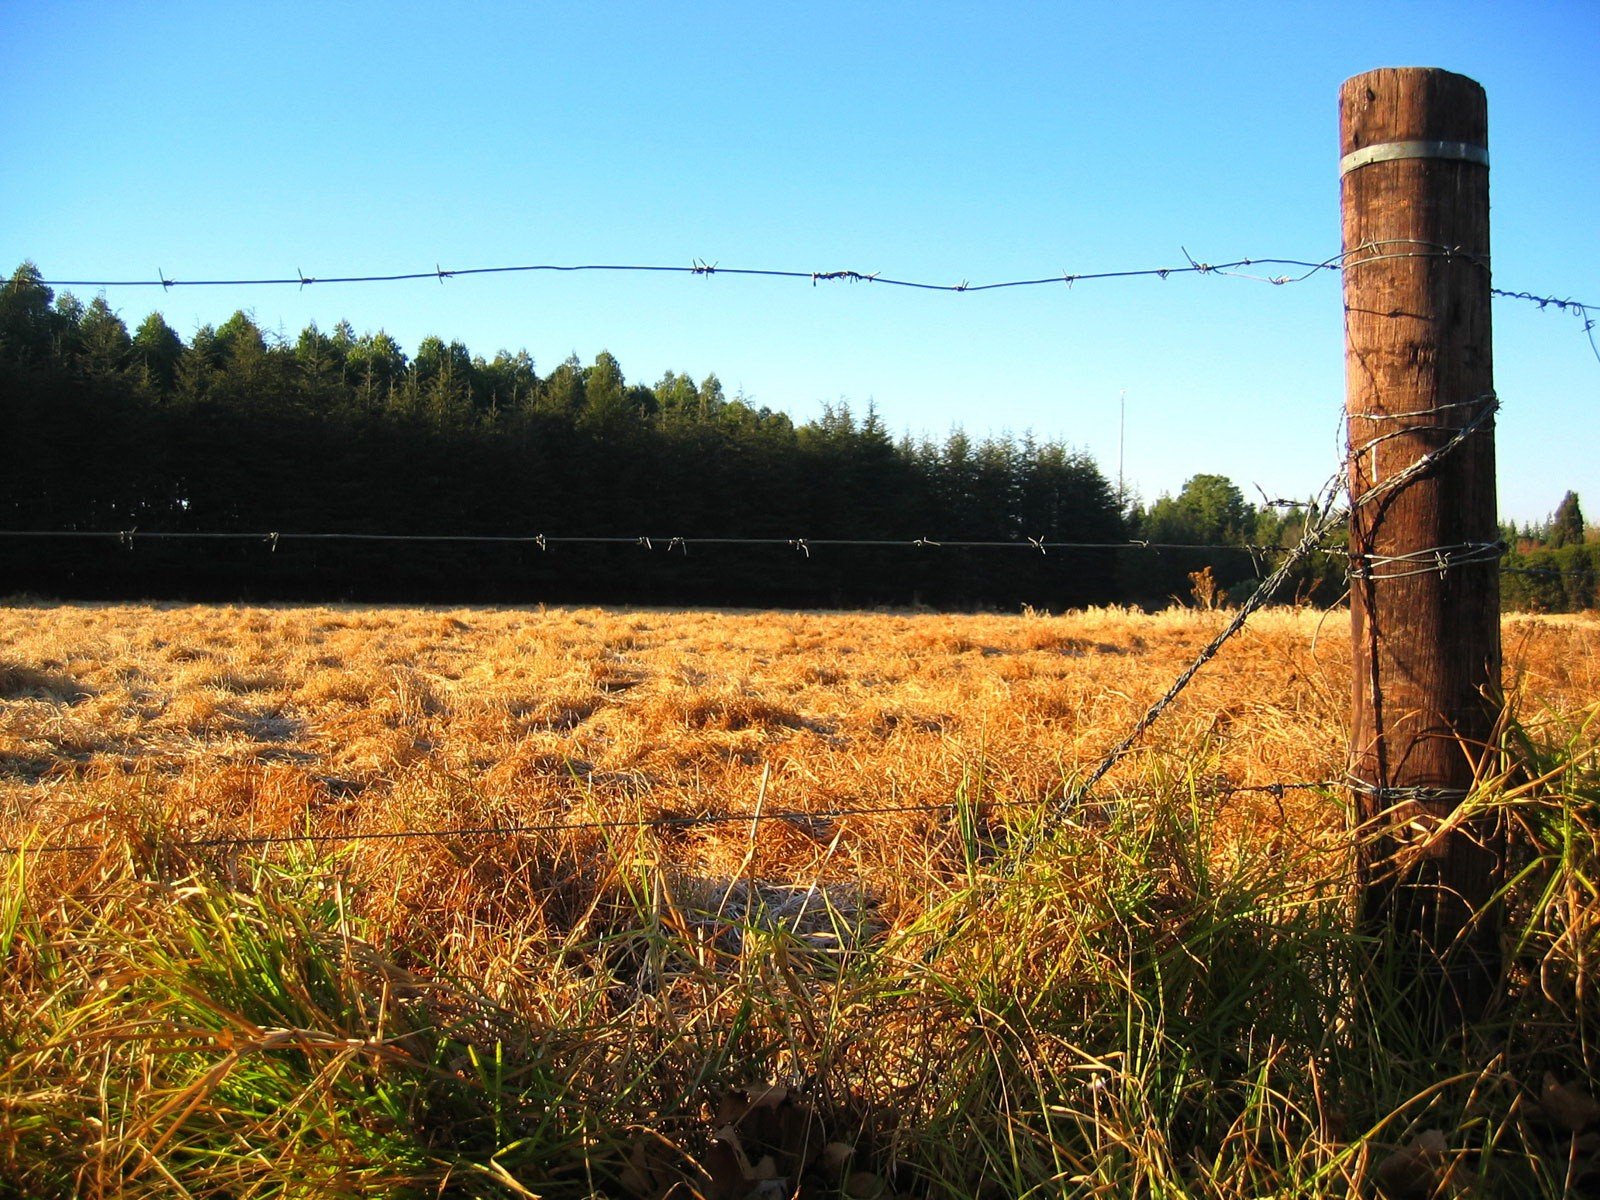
(1424, 543)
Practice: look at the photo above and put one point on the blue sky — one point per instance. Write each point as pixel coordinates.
(944, 142)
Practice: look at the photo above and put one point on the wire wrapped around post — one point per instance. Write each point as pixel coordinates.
(1424, 538)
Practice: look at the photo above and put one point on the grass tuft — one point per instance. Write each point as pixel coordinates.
(1169, 1000)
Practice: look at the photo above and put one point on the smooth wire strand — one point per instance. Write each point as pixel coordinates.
(663, 821)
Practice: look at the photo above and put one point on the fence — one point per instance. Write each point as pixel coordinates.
(1419, 476)
(1240, 268)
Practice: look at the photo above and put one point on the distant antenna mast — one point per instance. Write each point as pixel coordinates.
(1122, 428)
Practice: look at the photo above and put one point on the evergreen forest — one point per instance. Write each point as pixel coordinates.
(237, 431)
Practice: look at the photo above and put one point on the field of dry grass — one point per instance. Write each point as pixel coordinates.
(140, 727)
(319, 720)
(316, 720)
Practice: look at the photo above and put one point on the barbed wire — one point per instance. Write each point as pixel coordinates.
(1584, 312)
(1438, 560)
(272, 538)
(1316, 528)
(1235, 268)
(1315, 534)
(1419, 562)
(1487, 405)
(1299, 270)
(703, 268)
(1367, 571)
(1231, 269)
(1433, 560)
(808, 820)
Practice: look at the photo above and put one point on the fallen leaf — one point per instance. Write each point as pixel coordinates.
(725, 1167)
(766, 1095)
(1568, 1107)
(727, 1139)
(1414, 1171)
(836, 1157)
(798, 1134)
(641, 1175)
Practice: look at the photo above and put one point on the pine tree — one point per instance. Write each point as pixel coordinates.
(1566, 527)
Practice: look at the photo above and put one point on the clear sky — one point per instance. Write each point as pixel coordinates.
(934, 141)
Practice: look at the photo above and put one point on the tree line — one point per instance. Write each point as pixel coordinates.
(234, 430)
(1553, 566)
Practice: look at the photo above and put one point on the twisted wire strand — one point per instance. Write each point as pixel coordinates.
(1301, 270)
(1315, 534)
(647, 541)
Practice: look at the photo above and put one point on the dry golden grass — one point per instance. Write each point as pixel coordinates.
(208, 721)
(1162, 1002)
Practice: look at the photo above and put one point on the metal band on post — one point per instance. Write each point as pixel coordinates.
(1390, 151)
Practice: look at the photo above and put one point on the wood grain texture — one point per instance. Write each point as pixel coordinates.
(1427, 667)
